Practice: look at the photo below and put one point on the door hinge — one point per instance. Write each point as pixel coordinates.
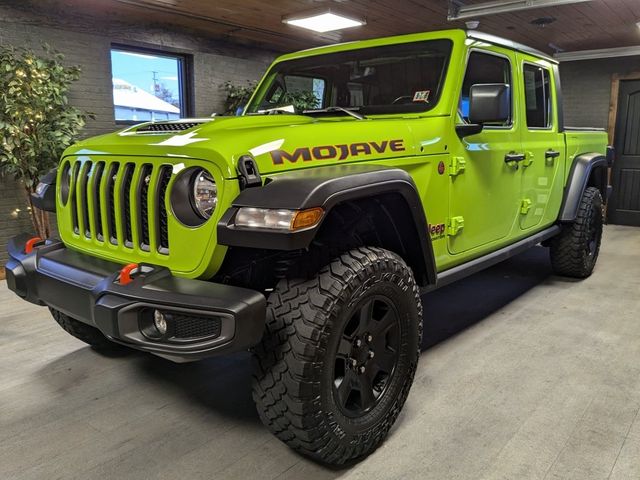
(528, 159)
(457, 166)
(454, 225)
(525, 206)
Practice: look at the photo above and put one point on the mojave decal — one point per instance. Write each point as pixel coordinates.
(336, 152)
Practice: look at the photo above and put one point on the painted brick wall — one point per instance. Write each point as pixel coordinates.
(586, 87)
(87, 43)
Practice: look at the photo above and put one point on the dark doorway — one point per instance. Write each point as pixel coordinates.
(624, 208)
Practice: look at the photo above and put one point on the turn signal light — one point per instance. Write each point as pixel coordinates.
(306, 218)
(278, 218)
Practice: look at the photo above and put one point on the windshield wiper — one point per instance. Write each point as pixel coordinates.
(348, 111)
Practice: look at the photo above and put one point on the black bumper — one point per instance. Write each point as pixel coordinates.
(88, 289)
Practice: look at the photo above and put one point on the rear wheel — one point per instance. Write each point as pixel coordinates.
(574, 252)
(339, 354)
(82, 331)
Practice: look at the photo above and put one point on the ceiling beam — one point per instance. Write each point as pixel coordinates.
(459, 11)
(595, 54)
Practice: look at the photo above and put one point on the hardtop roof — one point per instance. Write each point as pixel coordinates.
(416, 37)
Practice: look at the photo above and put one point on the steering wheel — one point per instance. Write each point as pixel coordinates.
(403, 99)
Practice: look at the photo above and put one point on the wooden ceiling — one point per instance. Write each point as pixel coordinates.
(581, 26)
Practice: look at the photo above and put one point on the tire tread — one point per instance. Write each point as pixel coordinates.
(287, 366)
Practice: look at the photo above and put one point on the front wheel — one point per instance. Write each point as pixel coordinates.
(575, 250)
(339, 354)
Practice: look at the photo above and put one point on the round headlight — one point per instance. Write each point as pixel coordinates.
(205, 193)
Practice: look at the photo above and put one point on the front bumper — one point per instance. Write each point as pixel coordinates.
(88, 289)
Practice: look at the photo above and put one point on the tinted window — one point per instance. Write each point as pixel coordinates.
(389, 79)
(483, 68)
(537, 96)
(148, 86)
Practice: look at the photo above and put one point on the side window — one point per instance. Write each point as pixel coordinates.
(484, 68)
(537, 93)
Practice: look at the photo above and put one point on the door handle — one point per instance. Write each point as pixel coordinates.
(551, 154)
(513, 158)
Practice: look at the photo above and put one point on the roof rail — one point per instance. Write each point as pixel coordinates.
(503, 42)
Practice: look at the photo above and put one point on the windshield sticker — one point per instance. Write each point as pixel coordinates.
(421, 96)
(336, 152)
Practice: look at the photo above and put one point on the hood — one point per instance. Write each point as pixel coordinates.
(277, 142)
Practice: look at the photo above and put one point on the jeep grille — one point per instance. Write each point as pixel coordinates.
(102, 204)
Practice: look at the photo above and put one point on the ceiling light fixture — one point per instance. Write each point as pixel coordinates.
(459, 11)
(324, 21)
(542, 21)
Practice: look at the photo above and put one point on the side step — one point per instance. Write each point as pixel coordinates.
(474, 266)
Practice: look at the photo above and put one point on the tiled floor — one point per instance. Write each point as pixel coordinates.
(523, 375)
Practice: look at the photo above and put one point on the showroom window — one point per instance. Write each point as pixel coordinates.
(484, 68)
(537, 93)
(149, 85)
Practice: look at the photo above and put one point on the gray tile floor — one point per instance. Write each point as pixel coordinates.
(523, 375)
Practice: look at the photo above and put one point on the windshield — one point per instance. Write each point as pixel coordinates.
(399, 78)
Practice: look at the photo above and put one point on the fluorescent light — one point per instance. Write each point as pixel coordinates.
(459, 11)
(324, 22)
(594, 54)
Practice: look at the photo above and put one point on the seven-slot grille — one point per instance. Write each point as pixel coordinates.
(113, 202)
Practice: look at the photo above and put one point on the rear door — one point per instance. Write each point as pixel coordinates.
(624, 207)
(543, 145)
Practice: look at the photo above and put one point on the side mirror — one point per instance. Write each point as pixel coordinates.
(489, 103)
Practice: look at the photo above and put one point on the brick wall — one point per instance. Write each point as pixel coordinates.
(87, 42)
(586, 86)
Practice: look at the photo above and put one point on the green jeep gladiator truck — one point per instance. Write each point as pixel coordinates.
(307, 235)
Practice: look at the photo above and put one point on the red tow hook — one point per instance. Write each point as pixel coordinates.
(31, 243)
(125, 273)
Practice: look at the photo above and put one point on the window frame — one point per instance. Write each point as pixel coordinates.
(512, 117)
(185, 76)
(550, 123)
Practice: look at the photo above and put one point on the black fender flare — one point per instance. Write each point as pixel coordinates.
(326, 187)
(582, 169)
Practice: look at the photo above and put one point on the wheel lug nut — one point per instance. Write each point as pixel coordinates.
(361, 369)
(353, 362)
(371, 354)
(369, 338)
(358, 343)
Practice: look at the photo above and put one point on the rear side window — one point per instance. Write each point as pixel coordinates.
(484, 68)
(537, 93)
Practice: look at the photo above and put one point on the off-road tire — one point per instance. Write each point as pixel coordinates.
(82, 331)
(575, 250)
(294, 366)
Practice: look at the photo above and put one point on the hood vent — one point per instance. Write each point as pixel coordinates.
(168, 127)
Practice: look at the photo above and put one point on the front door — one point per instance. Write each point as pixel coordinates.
(485, 190)
(624, 207)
